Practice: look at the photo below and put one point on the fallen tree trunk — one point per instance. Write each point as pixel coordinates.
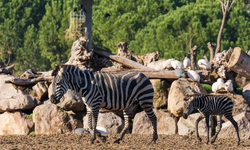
(43, 76)
(8, 69)
(153, 74)
(239, 62)
(127, 62)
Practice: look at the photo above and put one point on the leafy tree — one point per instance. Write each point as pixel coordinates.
(52, 41)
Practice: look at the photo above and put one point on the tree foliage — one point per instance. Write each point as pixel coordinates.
(32, 33)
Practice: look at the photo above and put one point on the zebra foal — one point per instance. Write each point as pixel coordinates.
(123, 91)
(210, 105)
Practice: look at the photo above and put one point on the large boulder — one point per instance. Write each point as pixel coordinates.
(41, 90)
(178, 90)
(160, 93)
(15, 123)
(12, 98)
(71, 100)
(228, 129)
(51, 119)
(187, 126)
(109, 120)
(246, 93)
(165, 123)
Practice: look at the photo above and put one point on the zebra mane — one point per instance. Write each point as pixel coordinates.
(196, 95)
(58, 68)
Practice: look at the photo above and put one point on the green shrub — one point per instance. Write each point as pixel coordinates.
(32, 133)
(30, 116)
(239, 91)
(207, 87)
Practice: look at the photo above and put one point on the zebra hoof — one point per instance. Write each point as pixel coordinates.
(212, 141)
(103, 139)
(199, 139)
(117, 141)
(92, 141)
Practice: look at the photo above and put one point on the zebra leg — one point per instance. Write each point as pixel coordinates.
(207, 124)
(95, 113)
(196, 126)
(235, 124)
(217, 132)
(127, 118)
(151, 115)
(90, 115)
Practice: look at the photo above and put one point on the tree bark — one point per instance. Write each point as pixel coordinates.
(239, 61)
(225, 7)
(127, 62)
(8, 69)
(193, 54)
(211, 50)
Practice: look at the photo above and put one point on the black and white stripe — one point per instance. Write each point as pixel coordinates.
(210, 105)
(121, 91)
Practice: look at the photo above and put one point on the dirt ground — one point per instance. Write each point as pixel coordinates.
(131, 141)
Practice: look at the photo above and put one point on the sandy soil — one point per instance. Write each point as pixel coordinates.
(131, 141)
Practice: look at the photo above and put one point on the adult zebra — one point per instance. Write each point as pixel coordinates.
(123, 91)
(210, 105)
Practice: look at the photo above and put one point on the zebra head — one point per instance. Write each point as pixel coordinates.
(58, 84)
(188, 106)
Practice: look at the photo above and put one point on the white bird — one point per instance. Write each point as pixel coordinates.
(229, 86)
(219, 84)
(186, 62)
(161, 64)
(193, 75)
(177, 64)
(102, 130)
(204, 64)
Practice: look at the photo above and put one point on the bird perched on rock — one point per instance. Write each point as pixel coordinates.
(219, 84)
(229, 86)
(179, 72)
(186, 62)
(204, 64)
(177, 64)
(193, 75)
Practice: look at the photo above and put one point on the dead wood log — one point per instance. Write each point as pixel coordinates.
(127, 62)
(24, 82)
(239, 62)
(8, 69)
(153, 74)
(42, 76)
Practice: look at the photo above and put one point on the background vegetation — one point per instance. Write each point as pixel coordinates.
(32, 33)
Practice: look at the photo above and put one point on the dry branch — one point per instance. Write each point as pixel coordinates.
(8, 69)
(127, 62)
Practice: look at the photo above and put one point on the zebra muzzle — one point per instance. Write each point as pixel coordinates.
(53, 100)
(185, 116)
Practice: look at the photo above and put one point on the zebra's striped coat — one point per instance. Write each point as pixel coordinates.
(123, 91)
(210, 105)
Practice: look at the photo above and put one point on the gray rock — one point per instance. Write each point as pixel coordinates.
(228, 130)
(15, 123)
(71, 100)
(83, 131)
(178, 90)
(12, 98)
(187, 126)
(165, 123)
(108, 120)
(49, 119)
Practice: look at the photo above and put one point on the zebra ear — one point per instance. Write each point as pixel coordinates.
(55, 70)
(187, 97)
(61, 71)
